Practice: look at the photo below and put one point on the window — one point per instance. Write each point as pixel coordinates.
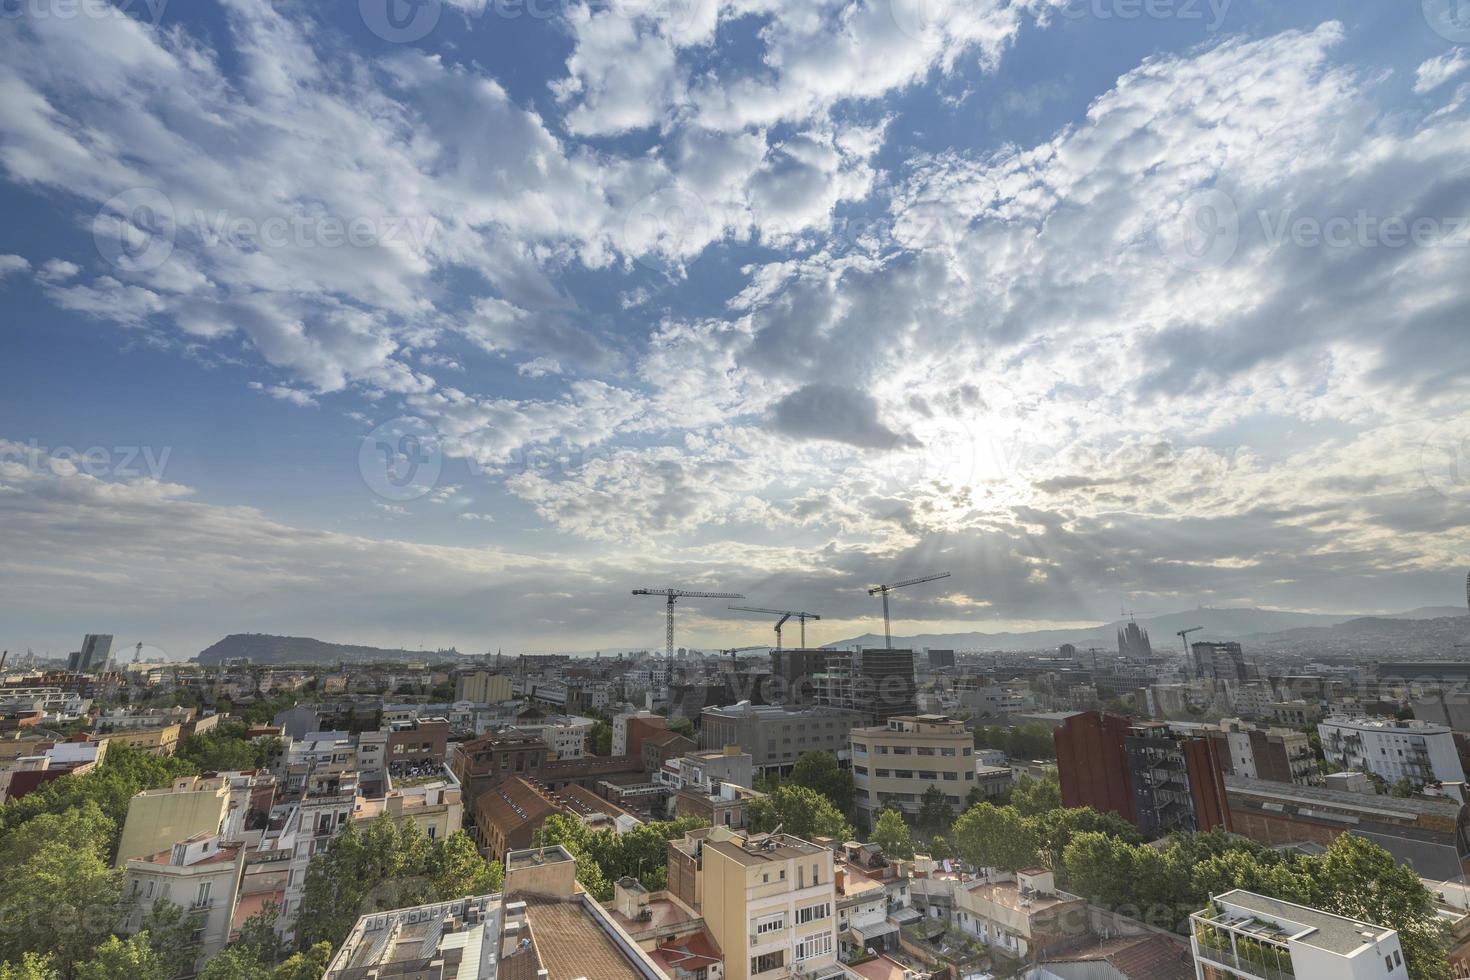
(812, 913)
(970, 774)
(966, 750)
(928, 774)
(770, 924)
(860, 770)
(922, 750)
(1397, 960)
(882, 750)
(952, 777)
(882, 773)
(859, 748)
(900, 750)
(903, 774)
(1387, 961)
(767, 961)
(819, 945)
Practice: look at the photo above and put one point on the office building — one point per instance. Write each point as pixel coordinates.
(770, 902)
(95, 655)
(939, 659)
(775, 736)
(482, 687)
(894, 764)
(883, 685)
(1414, 750)
(1245, 936)
(794, 672)
(1145, 772)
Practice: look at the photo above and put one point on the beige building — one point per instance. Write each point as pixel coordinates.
(894, 763)
(482, 687)
(435, 806)
(163, 740)
(160, 818)
(200, 875)
(770, 902)
(1020, 917)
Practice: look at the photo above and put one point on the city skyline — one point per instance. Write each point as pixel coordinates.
(454, 332)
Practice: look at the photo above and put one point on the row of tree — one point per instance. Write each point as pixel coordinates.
(604, 856)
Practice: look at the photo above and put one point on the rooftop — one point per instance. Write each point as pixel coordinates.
(763, 848)
(1309, 926)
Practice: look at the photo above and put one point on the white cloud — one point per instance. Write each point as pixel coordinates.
(1434, 72)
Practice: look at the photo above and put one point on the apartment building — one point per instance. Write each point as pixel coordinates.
(435, 806)
(482, 687)
(1414, 750)
(1147, 773)
(1275, 754)
(201, 874)
(893, 764)
(776, 736)
(1245, 936)
(770, 902)
(231, 805)
(1020, 917)
(304, 829)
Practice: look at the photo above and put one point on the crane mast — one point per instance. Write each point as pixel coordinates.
(671, 595)
(883, 590)
(785, 614)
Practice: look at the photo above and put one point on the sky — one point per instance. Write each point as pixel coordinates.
(421, 323)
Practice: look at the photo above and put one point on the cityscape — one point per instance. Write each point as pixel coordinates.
(734, 490)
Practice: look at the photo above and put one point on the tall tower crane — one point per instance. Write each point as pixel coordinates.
(785, 614)
(883, 590)
(671, 595)
(1184, 639)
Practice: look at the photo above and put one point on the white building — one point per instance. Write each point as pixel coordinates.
(1251, 937)
(201, 875)
(1394, 750)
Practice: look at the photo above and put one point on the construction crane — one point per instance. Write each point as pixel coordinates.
(785, 614)
(1184, 639)
(883, 590)
(671, 595)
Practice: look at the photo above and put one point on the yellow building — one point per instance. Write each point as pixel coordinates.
(160, 818)
(482, 687)
(163, 740)
(894, 763)
(770, 902)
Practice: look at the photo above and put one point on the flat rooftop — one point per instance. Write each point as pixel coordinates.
(785, 848)
(1315, 928)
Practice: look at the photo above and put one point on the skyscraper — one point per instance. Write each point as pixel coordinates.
(94, 655)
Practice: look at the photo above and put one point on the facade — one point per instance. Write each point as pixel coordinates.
(163, 740)
(94, 656)
(159, 818)
(895, 763)
(1414, 750)
(1278, 754)
(774, 736)
(1245, 936)
(770, 902)
(199, 874)
(1145, 772)
(883, 685)
(1021, 917)
(436, 807)
(1219, 661)
(482, 687)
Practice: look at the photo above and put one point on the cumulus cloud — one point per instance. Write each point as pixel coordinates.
(824, 411)
(1434, 72)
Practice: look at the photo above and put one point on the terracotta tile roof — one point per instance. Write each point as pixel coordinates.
(1152, 957)
(690, 953)
(512, 804)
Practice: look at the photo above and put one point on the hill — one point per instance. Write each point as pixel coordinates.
(263, 648)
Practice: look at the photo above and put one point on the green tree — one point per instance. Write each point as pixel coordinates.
(31, 966)
(1056, 828)
(939, 848)
(308, 965)
(934, 812)
(85, 825)
(457, 869)
(64, 900)
(235, 963)
(819, 771)
(258, 934)
(1033, 797)
(599, 740)
(131, 958)
(891, 833)
(990, 836)
(682, 726)
(170, 931)
(800, 812)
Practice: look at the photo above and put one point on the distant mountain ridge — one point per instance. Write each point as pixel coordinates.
(1269, 627)
(264, 648)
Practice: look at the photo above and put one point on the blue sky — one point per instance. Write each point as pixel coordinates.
(1093, 304)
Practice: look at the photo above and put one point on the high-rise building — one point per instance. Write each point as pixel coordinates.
(1219, 661)
(884, 684)
(941, 658)
(797, 671)
(94, 655)
(1143, 771)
